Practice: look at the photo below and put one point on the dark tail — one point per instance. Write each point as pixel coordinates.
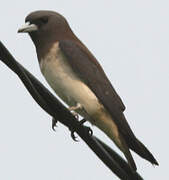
(141, 150)
(126, 151)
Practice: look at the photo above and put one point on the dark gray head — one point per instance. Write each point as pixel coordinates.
(46, 27)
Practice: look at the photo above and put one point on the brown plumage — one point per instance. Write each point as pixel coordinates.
(77, 77)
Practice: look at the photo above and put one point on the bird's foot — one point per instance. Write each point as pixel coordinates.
(75, 114)
(74, 108)
(73, 135)
(88, 130)
(73, 131)
(54, 122)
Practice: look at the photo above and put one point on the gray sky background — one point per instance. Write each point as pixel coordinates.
(131, 41)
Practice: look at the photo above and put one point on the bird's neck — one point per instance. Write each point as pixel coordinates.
(44, 43)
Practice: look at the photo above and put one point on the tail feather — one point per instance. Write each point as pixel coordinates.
(141, 150)
(125, 149)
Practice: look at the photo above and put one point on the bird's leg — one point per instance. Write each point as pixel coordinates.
(74, 108)
(81, 122)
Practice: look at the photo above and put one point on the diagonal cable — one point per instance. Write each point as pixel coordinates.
(56, 109)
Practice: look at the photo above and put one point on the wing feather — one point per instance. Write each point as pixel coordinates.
(90, 71)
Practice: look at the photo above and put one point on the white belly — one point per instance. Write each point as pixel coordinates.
(66, 84)
(71, 90)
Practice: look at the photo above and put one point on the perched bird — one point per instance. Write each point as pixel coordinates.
(79, 80)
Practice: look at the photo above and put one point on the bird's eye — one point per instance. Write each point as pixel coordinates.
(44, 20)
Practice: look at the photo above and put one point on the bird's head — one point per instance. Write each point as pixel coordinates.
(45, 25)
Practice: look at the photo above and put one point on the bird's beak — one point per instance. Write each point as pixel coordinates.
(27, 27)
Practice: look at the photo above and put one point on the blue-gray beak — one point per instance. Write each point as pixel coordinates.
(27, 27)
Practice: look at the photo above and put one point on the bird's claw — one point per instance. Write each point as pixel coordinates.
(73, 136)
(75, 115)
(82, 122)
(88, 130)
(54, 121)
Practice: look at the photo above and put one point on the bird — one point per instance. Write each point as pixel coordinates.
(78, 79)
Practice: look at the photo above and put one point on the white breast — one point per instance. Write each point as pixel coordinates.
(71, 90)
(65, 83)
